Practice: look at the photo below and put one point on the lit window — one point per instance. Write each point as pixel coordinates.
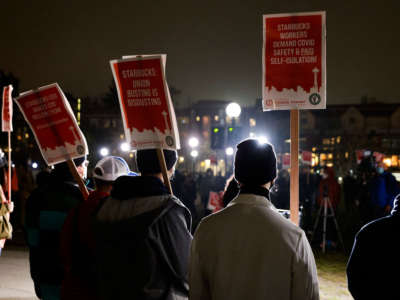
(325, 141)
(346, 155)
(314, 149)
(330, 165)
(181, 159)
(395, 160)
(27, 135)
(330, 156)
(216, 118)
(198, 119)
(338, 139)
(323, 156)
(252, 122)
(121, 136)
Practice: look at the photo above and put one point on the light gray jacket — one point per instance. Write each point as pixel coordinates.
(249, 251)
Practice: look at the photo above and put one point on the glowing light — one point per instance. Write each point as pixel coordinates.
(194, 153)
(229, 151)
(387, 162)
(262, 139)
(35, 165)
(181, 159)
(193, 142)
(233, 110)
(104, 151)
(125, 147)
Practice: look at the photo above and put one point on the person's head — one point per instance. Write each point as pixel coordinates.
(108, 169)
(81, 164)
(209, 172)
(381, 168)
(255, 163)
(148, 164)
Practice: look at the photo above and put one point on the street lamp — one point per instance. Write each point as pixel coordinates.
(193, 142)
(35, 165)
(229, 151)
(125, 147)
(194, 153)
(233, 110)
(104, 151)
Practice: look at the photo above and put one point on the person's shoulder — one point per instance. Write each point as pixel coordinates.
(375, 227)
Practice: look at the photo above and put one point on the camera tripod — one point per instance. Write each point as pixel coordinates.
(326, 204)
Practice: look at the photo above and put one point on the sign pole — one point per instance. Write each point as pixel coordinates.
(9, 166)
(163, 165)
(78, 178)
(294, 166)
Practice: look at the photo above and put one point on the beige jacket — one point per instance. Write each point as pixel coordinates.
(249, 251)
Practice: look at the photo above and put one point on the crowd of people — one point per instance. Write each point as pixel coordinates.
(133, 239)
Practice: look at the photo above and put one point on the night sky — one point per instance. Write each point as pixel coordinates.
(214, 47)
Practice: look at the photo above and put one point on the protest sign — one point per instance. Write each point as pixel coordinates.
(147, 112)
(286, 161)
(215, 201)
(52, 121)
(306, 157)
(294, 61)
(7, 110)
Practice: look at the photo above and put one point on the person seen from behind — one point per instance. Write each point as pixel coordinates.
(143, 235)
(374, 258)
(46, 210)
(77, 242)
(248, 250)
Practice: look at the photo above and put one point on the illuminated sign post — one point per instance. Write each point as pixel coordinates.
(294, 76)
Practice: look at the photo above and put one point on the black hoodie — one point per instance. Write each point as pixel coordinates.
(143, 240)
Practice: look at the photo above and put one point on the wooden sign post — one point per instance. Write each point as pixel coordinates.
(294, 166)
(163, 166)
(78, 178)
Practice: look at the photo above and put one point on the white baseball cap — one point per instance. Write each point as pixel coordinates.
(110, 168)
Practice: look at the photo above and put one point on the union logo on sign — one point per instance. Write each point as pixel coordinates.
(314, 99)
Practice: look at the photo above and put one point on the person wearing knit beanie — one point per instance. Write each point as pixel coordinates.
(249, 236)
(255, 163)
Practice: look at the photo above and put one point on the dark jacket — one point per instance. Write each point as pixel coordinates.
(46, 210)
(373, 263)
(143, 240)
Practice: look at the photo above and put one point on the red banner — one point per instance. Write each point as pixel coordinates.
(7, 111)
(51, 119)
(146, 106)
(294, 61)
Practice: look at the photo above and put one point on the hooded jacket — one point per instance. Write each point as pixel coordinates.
(143, 239)
(374, 258)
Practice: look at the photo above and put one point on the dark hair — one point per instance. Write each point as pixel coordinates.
(147, 160)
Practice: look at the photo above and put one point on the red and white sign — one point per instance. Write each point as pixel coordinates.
(51, 119)
(294, 61)
(7, 111)
(215, 201)
(306, 157)
(286, 161)
(146, 106)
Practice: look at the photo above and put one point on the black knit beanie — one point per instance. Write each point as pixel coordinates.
(147, 160)
(255, 162)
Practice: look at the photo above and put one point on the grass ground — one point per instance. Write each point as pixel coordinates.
(332, 276)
